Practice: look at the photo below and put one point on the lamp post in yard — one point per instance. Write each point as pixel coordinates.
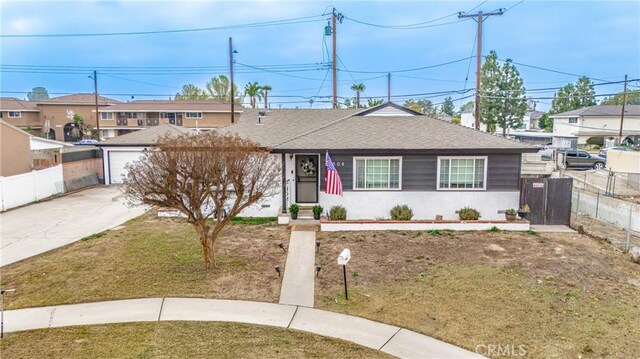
(343, 259)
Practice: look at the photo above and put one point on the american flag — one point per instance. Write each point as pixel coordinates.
(333, 184)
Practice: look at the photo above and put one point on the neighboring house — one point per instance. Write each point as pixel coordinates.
(22, 114)
(22, 152)
(598, 121)
(204, 115)
(386, 156)
(56, 114)
(529, 121)
(120, 151)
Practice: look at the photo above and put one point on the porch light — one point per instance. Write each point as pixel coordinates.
(317, 245)
(318, 269)
(279, 270)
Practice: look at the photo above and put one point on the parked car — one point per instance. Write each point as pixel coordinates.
(581, 159)
(603, 152)
(87, 141)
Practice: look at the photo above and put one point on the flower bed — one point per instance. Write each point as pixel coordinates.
(421, 225)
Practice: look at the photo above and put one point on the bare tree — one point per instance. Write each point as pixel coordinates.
(210, 178)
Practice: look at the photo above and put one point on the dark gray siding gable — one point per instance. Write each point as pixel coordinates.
(419, 172)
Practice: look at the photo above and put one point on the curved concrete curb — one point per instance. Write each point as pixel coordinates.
(390, 339)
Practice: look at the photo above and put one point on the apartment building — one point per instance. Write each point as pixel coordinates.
(122, 118)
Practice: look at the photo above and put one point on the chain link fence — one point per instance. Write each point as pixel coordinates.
(613, 219)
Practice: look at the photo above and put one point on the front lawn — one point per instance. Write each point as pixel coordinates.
(177, 340)
(151, 257)
(557, 295)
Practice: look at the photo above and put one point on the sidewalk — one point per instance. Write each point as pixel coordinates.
(390, 339)
(298, 284)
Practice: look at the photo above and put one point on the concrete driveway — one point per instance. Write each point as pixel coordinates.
(41, 227)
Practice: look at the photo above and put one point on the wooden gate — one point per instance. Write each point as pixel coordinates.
(549, 199)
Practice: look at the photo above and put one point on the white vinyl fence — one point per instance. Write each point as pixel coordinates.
(29, 187)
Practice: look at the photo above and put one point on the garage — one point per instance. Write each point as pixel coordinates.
(120, 151)
(118, 161)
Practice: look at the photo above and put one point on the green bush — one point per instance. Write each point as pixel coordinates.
(511, 212)
(338, 213)
(294, 208)
(494, 229)
(597, 147)
(468, 214)
(597, 140)
(317, 209)
(401, 213)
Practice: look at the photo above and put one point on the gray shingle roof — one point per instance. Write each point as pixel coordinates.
(281, 125)
(339, 129)
(144, 137)
(602, 110)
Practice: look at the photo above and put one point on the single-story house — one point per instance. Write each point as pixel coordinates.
(119, 151)
(386, 155)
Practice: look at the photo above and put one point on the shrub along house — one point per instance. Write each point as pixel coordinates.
(386, 155)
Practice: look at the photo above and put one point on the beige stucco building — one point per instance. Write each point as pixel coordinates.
(204, 115)
(53, 118)
(56, 114)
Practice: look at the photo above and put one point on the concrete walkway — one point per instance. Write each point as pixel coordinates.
(551, 228)
(298, 284)
(390, 339)
(41, 227)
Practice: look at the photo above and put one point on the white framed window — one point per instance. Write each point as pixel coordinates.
(15, 114)
(573, 120)
(377, 173)
(462, 173)
(193, 115)
(106, 115)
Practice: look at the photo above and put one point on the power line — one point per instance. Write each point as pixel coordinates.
(296, 20)
(420, 25)
(409, 70)
(142, 82)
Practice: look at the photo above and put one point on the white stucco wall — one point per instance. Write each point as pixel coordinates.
(425, 205)
(594, 126)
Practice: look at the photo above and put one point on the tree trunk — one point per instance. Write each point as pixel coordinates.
(265, 101)
(207, 243)
(504, 130)
(357, 99)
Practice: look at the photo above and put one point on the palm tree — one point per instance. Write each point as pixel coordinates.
(358, 88)
(373, 102)
(265, 93)
(253, 90)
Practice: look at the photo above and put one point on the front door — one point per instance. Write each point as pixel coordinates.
(307, 168)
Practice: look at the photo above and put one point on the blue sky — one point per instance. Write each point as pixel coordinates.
(597, 39)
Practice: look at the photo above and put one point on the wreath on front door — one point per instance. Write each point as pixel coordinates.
(308, 167)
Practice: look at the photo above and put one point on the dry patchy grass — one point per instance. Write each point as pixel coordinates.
(177, 340)
(559, 295)
(151, 257)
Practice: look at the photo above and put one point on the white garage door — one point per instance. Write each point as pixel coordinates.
(117, 162)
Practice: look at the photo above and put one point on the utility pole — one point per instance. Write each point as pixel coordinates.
(479, 15)
(95, 90)
(333, 59)
(388, 86)
(624, 100)
(231, 78)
